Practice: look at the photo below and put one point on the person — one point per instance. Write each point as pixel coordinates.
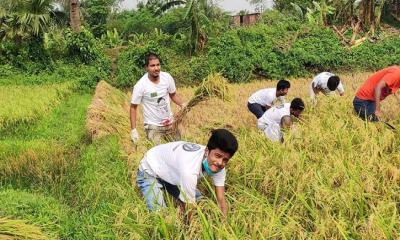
(274, 132)
(326, 83)
(272, 119)
(263, 99)
(154, 91)
(176, 167)
(376, 88)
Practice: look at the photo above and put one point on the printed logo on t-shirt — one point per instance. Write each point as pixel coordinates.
(190, 147)
(153, 94)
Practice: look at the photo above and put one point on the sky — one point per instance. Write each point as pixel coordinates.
(232, 6)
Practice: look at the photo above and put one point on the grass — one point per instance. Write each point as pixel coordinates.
(41, 154)
(24, 104)
(47, 214)
(335, 177)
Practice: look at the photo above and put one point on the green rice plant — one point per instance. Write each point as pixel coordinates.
(24, 104)
(49, 217)
(43, 153)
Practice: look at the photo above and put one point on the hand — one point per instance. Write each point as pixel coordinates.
(134, 135)
(183, 105)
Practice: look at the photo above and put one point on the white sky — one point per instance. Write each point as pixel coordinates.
(232, 6)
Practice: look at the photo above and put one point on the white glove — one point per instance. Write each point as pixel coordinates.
(134, 135)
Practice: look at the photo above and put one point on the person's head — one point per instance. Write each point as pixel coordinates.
(286, 121)
(333, 82)
(282, 87)
(221, 147)
(152, 65)
(296, 107)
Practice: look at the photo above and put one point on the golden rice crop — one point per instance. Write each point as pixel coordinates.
(335, 177)
(214, 85)
(27, 103)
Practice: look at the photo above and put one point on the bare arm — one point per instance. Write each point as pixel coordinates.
(133, 112)
(313, 91)
(378, 90)
(220, 193)
(176, 99)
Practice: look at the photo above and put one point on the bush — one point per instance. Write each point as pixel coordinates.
(374, 56)
(131, 62)
(317, 49)
(230, 57)
(189, 71)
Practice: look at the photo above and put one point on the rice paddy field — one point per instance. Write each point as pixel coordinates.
(70, 173)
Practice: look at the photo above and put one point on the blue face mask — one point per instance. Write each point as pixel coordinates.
(207, 168)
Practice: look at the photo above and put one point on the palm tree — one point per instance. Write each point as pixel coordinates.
(23, 18)
(198, 14)
(75, 17)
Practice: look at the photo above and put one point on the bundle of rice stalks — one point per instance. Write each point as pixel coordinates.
(215, 85)
(107, 114)
(19, 229)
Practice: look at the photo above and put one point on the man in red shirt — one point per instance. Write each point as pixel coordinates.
(377, 87)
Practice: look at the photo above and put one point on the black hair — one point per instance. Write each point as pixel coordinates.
(297, 104)
(150, 56)
(224, 140)
(282, 84)
(333, 82)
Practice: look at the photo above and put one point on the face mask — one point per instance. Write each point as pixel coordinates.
(207, 168)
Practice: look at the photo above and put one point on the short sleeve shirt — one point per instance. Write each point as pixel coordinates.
(155, 99)
(179, 163)
(265, 97)
(390, 75)
(321, 82)
(273, 116)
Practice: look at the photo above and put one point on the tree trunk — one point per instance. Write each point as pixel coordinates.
(75, 16)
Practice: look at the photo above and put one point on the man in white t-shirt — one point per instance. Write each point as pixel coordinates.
(274, 132)
(271, 120)
(154, 91)
(326, 83)
(176, 168)
(264, 99)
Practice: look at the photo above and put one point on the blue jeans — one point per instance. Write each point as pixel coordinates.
(365, 109)
(257, 109)
(153, 190)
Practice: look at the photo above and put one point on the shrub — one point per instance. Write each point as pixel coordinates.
(189, 71)
(373, 56)
(231, 58)
(132, 60)
(318, 49)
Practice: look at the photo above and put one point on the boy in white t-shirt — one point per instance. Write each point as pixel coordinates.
(264, 99)
(326, 83)
(154, 91)
(271, 120)
(176, 168)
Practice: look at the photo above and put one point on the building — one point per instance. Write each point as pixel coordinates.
(245, 20)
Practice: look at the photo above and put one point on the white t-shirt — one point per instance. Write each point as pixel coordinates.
(321, 83)
(155, 99)
(273, 132)
(265, 97)
(273, 116)
(179, 163)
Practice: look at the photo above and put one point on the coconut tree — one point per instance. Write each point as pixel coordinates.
(198, 15)
(23, 18)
